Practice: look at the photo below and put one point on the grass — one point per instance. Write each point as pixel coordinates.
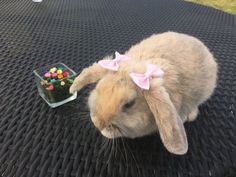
(224, 5)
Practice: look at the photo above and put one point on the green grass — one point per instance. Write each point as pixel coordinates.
(224, 5)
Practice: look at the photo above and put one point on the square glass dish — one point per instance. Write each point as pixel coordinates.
(53, 83)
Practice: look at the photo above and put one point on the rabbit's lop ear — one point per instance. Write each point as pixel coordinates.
(169, 123)
(89, 75)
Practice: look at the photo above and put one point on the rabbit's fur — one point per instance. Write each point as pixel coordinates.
(120, 108)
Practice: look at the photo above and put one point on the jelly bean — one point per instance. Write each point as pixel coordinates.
(59, 71)
(61, 68)
(70, 81)
(62, 83)
(59, 76)
(66, 74)
(54, 75)
(44, 82)
(47, 75)
(53, 70)
(50, 88)
(53, 80)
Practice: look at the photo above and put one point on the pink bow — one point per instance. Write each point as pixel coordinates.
(143, 80)
(115, 63)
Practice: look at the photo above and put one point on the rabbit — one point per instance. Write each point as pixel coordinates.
(120, 108)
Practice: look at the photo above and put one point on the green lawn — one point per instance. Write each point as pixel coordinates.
(224, 5)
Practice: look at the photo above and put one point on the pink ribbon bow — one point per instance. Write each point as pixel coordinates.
(143, 80)
(115, 63)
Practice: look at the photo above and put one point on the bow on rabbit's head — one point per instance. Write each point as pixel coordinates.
(141, 80)
(150, 84)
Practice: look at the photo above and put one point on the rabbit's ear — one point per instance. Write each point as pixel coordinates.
(89, 75)
(169, 123)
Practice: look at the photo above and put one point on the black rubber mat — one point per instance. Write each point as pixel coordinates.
(37, 141)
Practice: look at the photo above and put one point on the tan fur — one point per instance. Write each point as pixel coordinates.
(88, 76)
(168, 121)
(106, 89)
(190, 74)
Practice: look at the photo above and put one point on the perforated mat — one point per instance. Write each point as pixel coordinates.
(37, 141)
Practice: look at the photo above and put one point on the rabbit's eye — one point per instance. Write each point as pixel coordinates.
(129, 104)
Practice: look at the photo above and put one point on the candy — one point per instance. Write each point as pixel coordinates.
(50, 88)
(70, 81)
(54, 75)
(53, 70)
(56, 79)
(47, 75)
(60, 76)
(59, 71)
(66, 74)
(44, 82)
(53, 80)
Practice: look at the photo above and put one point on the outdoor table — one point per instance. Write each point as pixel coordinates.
(38, 141)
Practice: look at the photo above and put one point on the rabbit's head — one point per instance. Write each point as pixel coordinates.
(119, 107)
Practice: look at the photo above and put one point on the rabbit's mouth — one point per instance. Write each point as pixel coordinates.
(111, 131)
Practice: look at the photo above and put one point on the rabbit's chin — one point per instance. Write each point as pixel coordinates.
(111, 134)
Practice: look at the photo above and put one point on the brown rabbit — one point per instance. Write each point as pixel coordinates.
(118, 107)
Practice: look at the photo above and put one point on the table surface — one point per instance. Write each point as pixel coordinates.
(37, 141)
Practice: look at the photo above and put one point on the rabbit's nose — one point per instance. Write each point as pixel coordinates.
(99, 124)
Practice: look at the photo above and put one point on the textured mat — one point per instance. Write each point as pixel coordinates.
(37, 141)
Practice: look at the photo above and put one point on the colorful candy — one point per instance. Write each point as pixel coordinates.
(60, 68)
(47, 74)
(56, 73)
(53, 70)
(53, 75)
(53, 80)
(44, 82)
(70, 81)
(66, 74)
(59, 71)
(59, 76)
(51, 87)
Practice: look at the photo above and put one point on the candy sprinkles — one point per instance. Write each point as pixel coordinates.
(56, 83)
